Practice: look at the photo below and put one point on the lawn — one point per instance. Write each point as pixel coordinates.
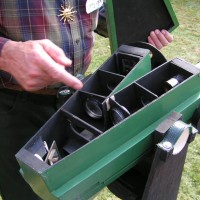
(186, 45)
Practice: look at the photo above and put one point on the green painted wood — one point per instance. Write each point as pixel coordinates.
(172, 14)
(85, 172)
(111, 26)
(143, 67)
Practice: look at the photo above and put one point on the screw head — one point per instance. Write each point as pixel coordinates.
(64, 92)
(167, 145)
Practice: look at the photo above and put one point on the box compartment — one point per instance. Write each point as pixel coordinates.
(156, 81)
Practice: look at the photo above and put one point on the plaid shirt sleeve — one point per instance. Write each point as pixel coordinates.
(2, 42)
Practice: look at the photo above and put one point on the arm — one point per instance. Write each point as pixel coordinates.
(36, 64)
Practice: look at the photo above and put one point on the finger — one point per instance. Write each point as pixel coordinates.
(150, 41)
(59, 74)
(56, 53)
(56, 72)
(161, 38)
(167, 35)
(155, 39)
(69, 80)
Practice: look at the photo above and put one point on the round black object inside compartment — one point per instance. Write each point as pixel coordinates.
(93, 108)
(118, 114)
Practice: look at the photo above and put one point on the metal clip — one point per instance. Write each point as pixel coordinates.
(53, 155)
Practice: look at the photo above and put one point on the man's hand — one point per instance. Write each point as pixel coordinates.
(37, 64)
(160, 39)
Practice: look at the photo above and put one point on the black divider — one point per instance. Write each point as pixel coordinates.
(77, 137)
(83, 133)
(86, 108)
(164, 78)
(67, 135)
(84, 116)
(57, 129)
(102, 83)
(121, 63)
(127, 101)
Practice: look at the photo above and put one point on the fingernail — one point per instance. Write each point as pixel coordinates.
(163, 32)
(78, 85)
(157, 32)
(68, 61)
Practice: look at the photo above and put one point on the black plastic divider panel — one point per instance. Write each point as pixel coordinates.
(68, 136)
(58, 129)
(83, 133)
(126, 63)
(76, 139)
(84, 117)
(102, 83)
(157, 80)
(134, 97)
(82, 113)
(50, 132)
(128, 101)
(121, 63)
(78, 134)
(124, 60)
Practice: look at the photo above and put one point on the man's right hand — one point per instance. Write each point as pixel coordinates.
(37, 64)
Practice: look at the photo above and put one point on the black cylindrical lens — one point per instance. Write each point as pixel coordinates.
(93, 108)
(118, 114)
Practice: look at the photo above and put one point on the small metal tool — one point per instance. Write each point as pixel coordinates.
(53, 155)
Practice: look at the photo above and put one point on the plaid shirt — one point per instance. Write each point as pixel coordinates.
(22, 20)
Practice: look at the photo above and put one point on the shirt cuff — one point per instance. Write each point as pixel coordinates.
(2, 42)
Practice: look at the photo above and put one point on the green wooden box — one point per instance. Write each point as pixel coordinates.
(96, 156)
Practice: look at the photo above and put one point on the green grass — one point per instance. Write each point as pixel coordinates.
(186, 45)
